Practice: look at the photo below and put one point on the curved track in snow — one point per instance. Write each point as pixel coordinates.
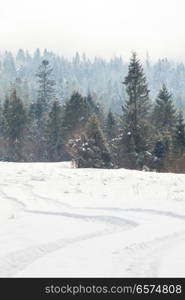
(66, 222)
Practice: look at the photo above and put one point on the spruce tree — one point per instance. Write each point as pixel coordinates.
(95, 132)
(137, 106)
(111, 126)
(75, 114)
(179, 135)
(159, 156)
(136, 113)
(53, 133)
(14, 122)
(90, 150)
(164, 114)
(164, 120)
(14, 116)
(46, 90)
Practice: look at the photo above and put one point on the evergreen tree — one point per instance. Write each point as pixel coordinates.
(14, 122)
(164, 121)
(54, 133)
(20, 57)
(137, 107)
(46, 91)
(159, 156)
(111, 126)
(94, 107)
(9, 69)
(164, 114)
(75, 114)
(90, 150)
(94, 132)
(179, 136)
(14, 116)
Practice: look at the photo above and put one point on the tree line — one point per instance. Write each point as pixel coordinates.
(97, 76)
(147, 134)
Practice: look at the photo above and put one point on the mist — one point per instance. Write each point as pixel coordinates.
(103, 28)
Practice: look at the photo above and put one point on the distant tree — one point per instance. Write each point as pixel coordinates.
(9, 69)
(14, 122)
(14, 116)
(159, 156)
(164, 120)
(54, 133)
(20, 57)
(179, 135)
(111, 125)
(164, 114)
(75, 114)
(46, 91)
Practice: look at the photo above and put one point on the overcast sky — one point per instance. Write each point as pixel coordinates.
(98, 27)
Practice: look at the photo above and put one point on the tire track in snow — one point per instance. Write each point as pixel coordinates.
(145, 257)
(18, 260)
(106, 219)
(139, 210)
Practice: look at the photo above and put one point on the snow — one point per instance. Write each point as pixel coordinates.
(57, 221)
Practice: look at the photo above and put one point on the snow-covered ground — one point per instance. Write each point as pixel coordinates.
(56, 221)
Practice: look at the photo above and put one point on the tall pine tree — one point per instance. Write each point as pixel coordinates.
(53, 133)
(46, 90)
(164, 121)
(136, 112)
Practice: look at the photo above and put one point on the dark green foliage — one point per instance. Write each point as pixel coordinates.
(164, 113)
(75, 115)
(94, 132)
(46, 91)
(179, 135)
(53, 134)
(90, 149)
(14, 117)
(13, 126)
(159, 156)
(159, 150)
(164, 120)
(111, 125)
(137, 107)
(46, 129)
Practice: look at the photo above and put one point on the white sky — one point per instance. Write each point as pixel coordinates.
(98, 27)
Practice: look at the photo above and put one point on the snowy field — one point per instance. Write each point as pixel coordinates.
(56, 221)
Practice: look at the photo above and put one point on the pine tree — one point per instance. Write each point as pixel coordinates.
(14, 117)
(54, 133)
(164, 114)
(137, 107)
(75, 114)
(179, 136)
(164, 120)
(93, 107)
(9, 69)
(95, 132)
(111, 126)
(14, 122)
(159, 156)
(46, 91)
(90, 150)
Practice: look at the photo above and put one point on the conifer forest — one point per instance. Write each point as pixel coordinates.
(97, 113)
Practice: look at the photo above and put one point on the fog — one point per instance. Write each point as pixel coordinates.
(98, 27)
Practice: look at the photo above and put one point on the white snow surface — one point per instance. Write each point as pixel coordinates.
(57, 221)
